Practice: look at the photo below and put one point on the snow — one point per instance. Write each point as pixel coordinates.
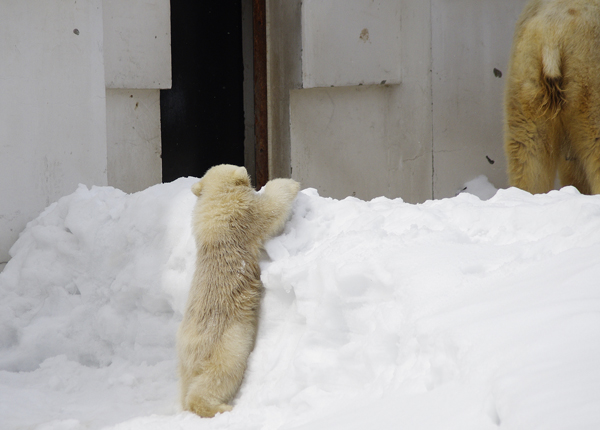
(459, 313)
(481, 187)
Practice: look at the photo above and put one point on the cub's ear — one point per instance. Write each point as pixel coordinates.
(197, 188)
(240, 176)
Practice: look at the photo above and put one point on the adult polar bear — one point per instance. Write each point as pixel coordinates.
(230, 223)
(552, 100)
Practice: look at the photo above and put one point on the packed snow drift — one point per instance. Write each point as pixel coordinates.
(457, 314)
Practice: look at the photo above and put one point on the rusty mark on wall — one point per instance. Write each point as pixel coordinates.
(364, 35)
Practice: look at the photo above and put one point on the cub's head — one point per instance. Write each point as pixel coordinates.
(221, 178)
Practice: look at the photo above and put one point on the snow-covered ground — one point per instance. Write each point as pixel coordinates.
(453, 314)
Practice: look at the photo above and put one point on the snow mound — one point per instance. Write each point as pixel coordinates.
(456, 314)
(480, 187)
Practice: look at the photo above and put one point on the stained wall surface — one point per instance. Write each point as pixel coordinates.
(52, 109)
(403, 101)
(471, 41)
(64, 118)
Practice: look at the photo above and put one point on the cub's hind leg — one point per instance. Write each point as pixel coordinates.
(220, 376)
(202, 398)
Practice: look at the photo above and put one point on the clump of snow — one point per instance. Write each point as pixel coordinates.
(480, 187)
(455, 314)
(89, 303)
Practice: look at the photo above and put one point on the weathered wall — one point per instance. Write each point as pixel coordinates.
(59, 125)
(52, 108)
(133, 139)
(137, 64)
(360, 139)
(137, 44)
(470, 49)
(436, 127)
(350, 42)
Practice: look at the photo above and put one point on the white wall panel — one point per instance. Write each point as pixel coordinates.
(350, 42)
(52, 107)
(133, 135)
(137, 40)
(470, 38)
(346, 141)
(370, 140)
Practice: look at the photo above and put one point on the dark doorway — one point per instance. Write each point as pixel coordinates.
(202, 115)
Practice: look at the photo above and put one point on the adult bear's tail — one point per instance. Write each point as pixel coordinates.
(551, 82)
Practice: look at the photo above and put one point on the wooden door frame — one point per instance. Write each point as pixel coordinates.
(261, 148)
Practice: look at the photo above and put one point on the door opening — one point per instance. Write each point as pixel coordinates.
(202, 115)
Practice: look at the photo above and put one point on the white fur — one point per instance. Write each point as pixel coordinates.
(230, 223)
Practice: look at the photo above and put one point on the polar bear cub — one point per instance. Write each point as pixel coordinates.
(230, 223)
